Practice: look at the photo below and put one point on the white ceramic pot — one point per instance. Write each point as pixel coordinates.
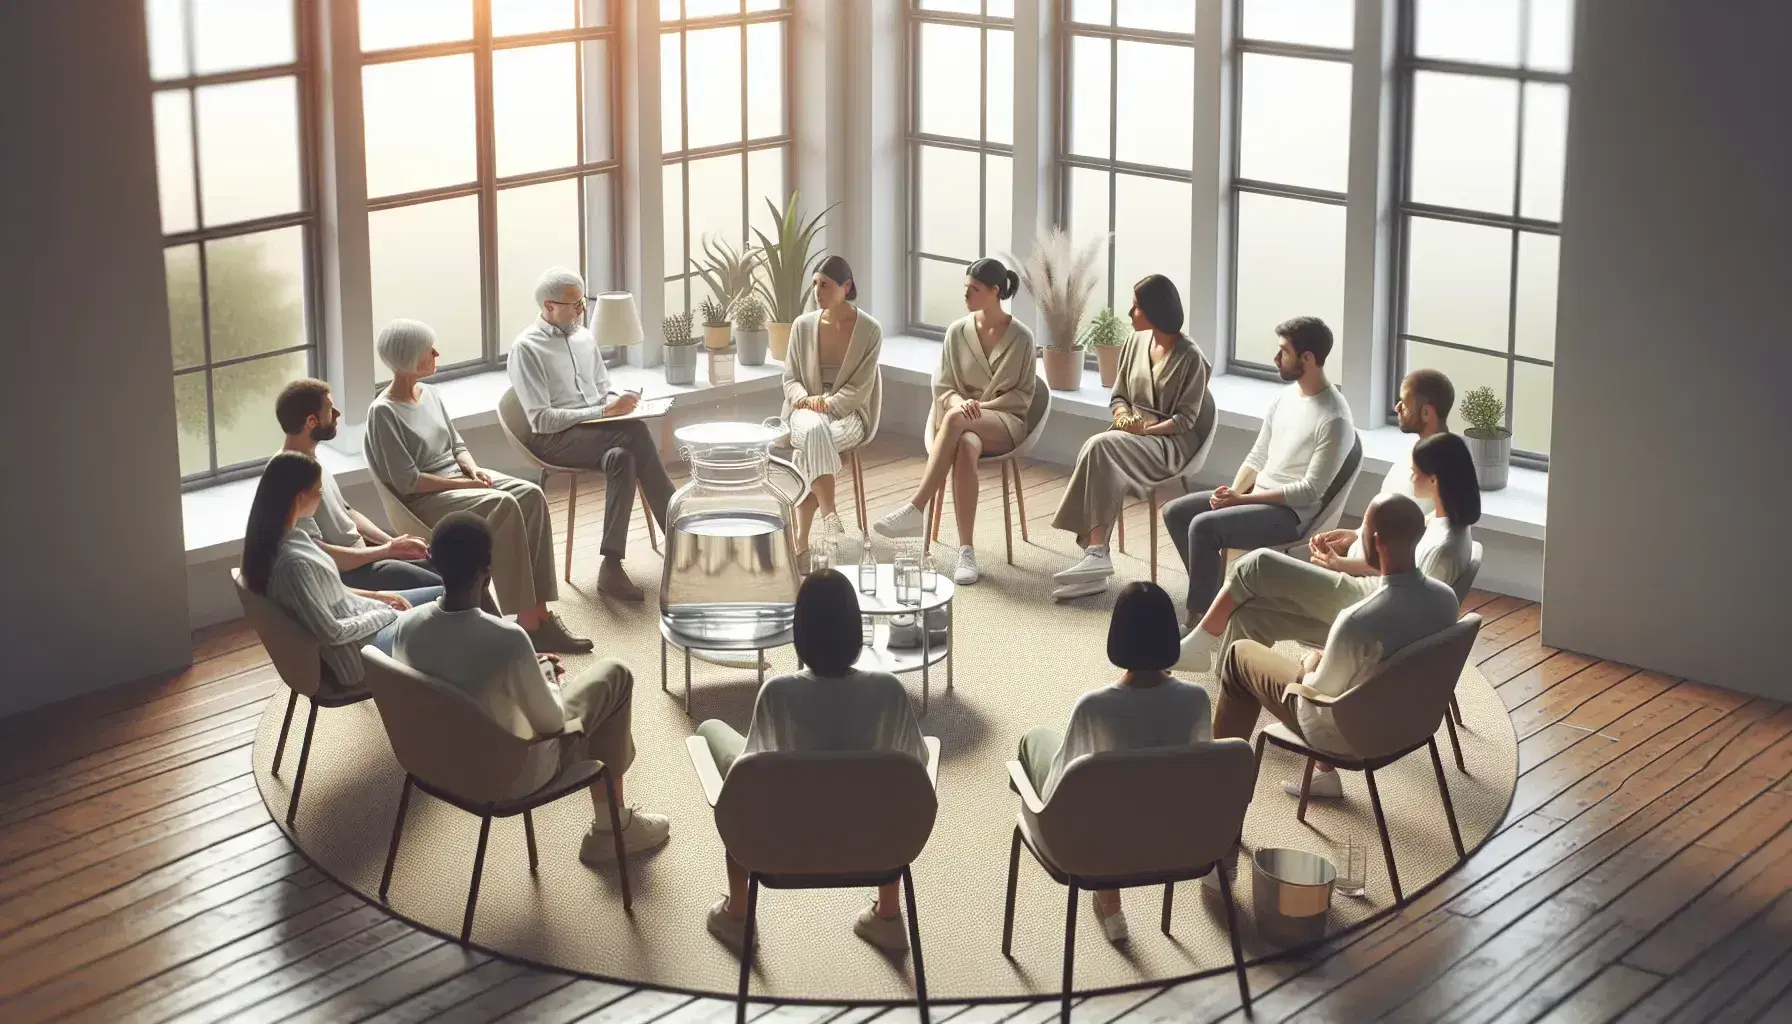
(753, 346)
(1492, 456)
(681, 364)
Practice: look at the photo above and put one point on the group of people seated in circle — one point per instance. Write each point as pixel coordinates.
(470, 606)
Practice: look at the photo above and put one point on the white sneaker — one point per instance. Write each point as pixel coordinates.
(1197, 651)
(640, 831)
(907, 521)
(1112, 925)
(1071, 591)
(886, 933)
(732, 931)
(1325, 786)
(966, 572)
(1095, 565)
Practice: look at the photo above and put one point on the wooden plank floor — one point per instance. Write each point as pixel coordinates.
(1643, 872)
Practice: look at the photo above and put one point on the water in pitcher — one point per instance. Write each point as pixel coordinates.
(730, 575)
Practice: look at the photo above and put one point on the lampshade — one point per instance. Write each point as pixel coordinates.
(615, 321)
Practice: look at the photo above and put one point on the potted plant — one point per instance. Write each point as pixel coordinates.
(1061, 277)
(785, 267)
(718, 333)
(749, 331)
(728, 273)
(1489, 442)
(681, 349)
(1105, 334)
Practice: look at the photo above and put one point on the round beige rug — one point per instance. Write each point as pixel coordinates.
(1021, 661)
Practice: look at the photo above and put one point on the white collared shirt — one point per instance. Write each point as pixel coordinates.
(559, 376)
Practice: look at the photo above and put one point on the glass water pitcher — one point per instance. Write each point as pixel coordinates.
(731, 575)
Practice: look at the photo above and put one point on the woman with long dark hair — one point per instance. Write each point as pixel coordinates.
(282, 562)
(1271, 596)
(981, 396)
(1162, 413)
(829, 705)
(833, 391)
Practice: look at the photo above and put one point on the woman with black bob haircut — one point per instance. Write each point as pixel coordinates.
(981, 396)
(829, 705)
(1146, 707)
(282, 563)
(833, 391)
(1271, 596)
(1162, 412)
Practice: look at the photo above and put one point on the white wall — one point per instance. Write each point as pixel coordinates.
(1668, 484)
(94, 568)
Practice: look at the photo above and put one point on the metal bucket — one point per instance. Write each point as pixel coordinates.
(1291, 892)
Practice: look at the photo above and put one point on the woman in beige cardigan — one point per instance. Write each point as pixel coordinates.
(833, 392)
(980, 400)
(1162, 412)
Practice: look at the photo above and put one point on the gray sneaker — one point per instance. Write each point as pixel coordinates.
(552, 637)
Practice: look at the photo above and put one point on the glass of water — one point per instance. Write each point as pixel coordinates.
(1353, 868)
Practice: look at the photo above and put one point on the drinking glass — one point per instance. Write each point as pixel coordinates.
(1353, 868)
(907, 570)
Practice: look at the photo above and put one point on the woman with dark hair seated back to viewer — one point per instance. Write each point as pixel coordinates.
(282, 563)
(827, 706)
(981, 396)
(1147, 707)
(1162, 413)
(1271, 596)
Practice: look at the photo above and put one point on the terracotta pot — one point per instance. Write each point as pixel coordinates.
(717, 336)
(1108, 358)
(1063, 368)
(780, 339)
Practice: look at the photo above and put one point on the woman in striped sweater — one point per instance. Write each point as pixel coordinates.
(282, 562)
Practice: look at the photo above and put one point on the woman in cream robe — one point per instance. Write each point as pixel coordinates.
(981, 397)
(833, 390)
(1162, 413)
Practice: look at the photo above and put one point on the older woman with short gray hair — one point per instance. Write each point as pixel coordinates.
(414, 450)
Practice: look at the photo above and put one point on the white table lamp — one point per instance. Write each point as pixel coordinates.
(615, 321)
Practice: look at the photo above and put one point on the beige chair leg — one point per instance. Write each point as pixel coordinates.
(858, 491)
(653, 535)
(1120, 527)
(1007, 520)
(1152, 523)
(572, 508)
(1020, 500)
(1306, 785)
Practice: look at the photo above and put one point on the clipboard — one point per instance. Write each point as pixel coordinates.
(645, 409)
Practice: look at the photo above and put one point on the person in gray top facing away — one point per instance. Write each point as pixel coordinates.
(281, 563)
(413, 448)
(1408, 607)
(1305, 438)
(1147, 707)
(492, 662)
(559, 378)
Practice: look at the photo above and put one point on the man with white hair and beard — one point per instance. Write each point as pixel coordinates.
(564, 390)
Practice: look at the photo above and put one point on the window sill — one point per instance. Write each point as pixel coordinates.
(214, 516)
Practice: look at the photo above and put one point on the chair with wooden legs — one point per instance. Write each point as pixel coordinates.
(295, 654)
(1463, 584)
(515, 424)
(1176, 486)
(823, 820)
(1184, 818)
(452, 750)
(1009, 464)
(1388, 716)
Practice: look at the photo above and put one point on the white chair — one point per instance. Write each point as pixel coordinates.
(296, 656)
(1462, 586)
(1037, 413)
(1331, 511)
(1182, 814)
(823, 820)
(452, 750)
(515, 425)
(1386, 717)
(1175, 487)
(399, 514)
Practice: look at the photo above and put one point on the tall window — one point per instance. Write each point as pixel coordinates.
(1129, 136)
(724, 129)
(1291, 165)
(232, 129)
(490, 157)
(1486, 125)
(961, 143)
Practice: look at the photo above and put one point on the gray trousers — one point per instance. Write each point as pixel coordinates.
(725, 745)
(402, 574)
(1202, 534)
(1038, 749)
(627, 456)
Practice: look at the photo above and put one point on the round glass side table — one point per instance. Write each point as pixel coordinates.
(881, 606)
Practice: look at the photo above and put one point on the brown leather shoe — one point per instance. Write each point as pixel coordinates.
(613, 580)
(552, 637)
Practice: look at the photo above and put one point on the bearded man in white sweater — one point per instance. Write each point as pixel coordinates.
(564, 390)
(1306, 436)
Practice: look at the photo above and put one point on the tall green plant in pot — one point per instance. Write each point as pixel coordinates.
(1105, 334)
(786, 264)
(1061, 277)
(681, 349)
(1489, 442)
